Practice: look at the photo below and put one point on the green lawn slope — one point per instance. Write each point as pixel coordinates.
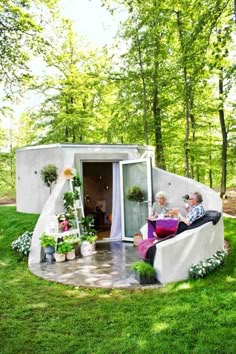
(37, 316)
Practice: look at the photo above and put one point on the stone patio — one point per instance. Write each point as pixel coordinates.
(109, 267)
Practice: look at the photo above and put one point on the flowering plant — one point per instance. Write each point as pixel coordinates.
(199, 270)
(64, 218)
(22, 243)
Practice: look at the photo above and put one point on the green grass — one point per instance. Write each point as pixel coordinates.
(37, 316)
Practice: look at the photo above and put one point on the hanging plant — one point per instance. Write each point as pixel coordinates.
(49, 175)
(135, 194)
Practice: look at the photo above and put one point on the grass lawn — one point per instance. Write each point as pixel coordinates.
(37, 316)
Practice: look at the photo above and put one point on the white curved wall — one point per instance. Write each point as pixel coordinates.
(177, 186)
(174, 257)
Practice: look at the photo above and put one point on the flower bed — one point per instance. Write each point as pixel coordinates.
(22, 243)
(203, 268)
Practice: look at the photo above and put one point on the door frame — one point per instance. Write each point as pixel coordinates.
(149, 190)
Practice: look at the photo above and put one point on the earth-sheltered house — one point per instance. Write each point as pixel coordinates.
(107, 172)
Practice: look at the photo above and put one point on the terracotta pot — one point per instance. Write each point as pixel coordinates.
(137, 238)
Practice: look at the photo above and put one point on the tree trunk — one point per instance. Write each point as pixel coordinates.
(160, 159)
(224, 137)
(186, 99)
(193, 127)
(144, 93)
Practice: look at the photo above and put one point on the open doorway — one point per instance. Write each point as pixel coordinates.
(97, 192)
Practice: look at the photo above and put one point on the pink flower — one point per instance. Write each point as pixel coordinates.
(65, 225)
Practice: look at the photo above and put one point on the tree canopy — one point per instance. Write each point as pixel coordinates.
(168, 81)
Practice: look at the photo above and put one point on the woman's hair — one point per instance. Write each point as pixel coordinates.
(161, 195)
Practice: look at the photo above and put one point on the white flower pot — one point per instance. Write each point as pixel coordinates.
(60, 257)
(86, 249)
(70, 255)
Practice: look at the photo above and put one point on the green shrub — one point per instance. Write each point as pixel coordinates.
(143, 268)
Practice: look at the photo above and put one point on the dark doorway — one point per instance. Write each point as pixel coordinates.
(97, 191)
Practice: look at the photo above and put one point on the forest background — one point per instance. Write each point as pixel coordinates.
(168, 80)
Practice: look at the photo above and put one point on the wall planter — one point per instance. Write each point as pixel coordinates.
(49, 175)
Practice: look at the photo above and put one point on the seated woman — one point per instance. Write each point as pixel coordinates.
(160, 206)
(158, 227)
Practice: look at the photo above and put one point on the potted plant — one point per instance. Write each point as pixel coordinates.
(88, 242)
(68, 200)
(49, 175)
(74, 240)
(65, 220)
(63, 249)
(136, 194)
(48, 242)
(76, 181)
(144, 272)
(87, 224)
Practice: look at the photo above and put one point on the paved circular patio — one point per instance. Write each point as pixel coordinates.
(109, 267)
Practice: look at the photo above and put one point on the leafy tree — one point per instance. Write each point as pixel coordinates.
(167, 75)
(74, 94)
(21, 24)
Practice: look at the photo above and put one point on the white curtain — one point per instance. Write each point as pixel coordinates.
(116, 207)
